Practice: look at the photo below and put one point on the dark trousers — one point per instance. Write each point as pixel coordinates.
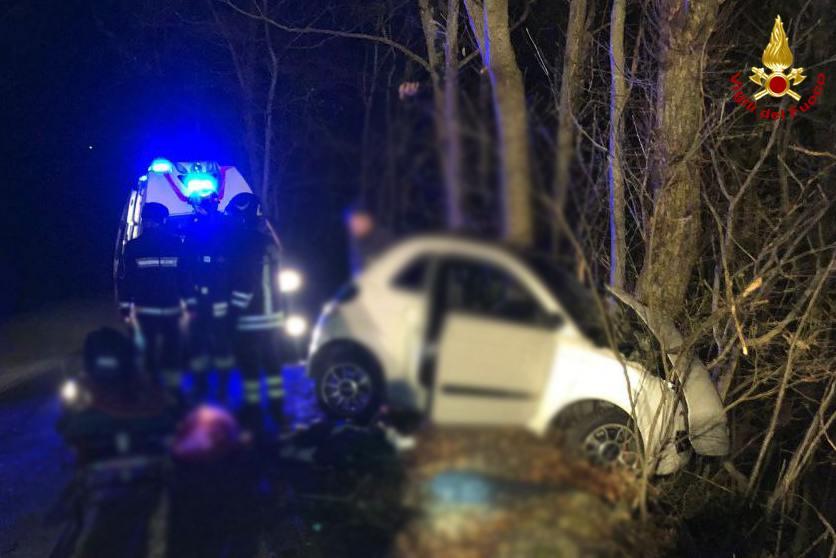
(162, 348)
(262, 351)
(209, 339)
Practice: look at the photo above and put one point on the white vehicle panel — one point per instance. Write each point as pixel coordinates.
(490, 371)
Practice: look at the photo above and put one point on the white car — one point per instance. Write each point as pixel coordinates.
(473, 334)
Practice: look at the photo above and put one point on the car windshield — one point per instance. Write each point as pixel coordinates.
(577, 300)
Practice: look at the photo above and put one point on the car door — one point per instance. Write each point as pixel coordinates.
(495, 345)
(399, 317)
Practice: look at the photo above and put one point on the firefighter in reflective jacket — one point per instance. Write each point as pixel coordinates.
(150, 291)
(260, 345)
(206, 274)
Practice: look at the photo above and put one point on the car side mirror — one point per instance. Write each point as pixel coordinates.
(555, 321)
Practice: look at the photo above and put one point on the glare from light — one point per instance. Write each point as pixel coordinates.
(200, 183)
(290, 280)
(143, 178)
(69, 391)
(296, 326)
(161, 165)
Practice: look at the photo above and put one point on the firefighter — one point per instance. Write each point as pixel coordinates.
(206, 274)
(150, 295)
(260, 345)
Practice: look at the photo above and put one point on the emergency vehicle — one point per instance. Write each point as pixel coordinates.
(172, 185)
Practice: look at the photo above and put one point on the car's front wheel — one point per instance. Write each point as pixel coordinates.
(349, 384)
(606, 438)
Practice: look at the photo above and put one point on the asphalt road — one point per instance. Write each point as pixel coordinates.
(34, 468)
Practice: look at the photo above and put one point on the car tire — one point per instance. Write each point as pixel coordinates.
(606, 438)
(349, 384)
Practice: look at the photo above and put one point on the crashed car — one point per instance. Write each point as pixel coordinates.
(471, 333)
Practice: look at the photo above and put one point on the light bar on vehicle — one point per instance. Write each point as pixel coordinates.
(161, 165)
(200, 183)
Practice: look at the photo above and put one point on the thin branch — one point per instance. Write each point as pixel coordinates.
(412, 55)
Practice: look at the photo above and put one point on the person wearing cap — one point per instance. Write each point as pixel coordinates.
(150, 293)
(366, 238)
(205, 273)
(255, 301)
(117, 423)
(113, 410)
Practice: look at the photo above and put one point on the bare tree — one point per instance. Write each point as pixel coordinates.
(444, 71)
(618, 99)
(489, 22)
(673, 240)
(575, 50)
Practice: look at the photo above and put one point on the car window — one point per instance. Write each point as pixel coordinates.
(413, 276)
(480, 288)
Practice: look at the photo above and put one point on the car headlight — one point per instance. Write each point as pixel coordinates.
(296, 326)
(69, 392)
(290, 280)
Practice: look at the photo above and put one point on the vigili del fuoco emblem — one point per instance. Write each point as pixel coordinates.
(777, 56)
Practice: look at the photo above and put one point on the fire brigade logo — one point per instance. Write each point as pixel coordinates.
(777, 56)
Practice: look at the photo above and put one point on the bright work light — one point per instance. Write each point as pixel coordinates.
(69, 391)
(296, 326)
(161, 165)
(290, 280)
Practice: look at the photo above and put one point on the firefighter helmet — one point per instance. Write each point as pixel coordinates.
(246, 207)
(154, 212)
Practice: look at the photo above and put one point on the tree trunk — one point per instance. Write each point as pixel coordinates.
(618, 98)
(577, 36)
(674, 235)
(444, 78)
(266, 193)
(453, 140)
(489, 21)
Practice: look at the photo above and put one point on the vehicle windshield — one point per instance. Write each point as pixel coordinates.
(577, 300)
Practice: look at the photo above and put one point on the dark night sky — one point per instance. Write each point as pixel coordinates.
(64, 88)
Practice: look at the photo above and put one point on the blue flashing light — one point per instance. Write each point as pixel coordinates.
(161, 165)
(200, 183)
(143, 178)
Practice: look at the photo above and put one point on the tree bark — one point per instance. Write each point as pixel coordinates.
(489, 22)
(443, 64)
(453, 139)
(267, 159)
(674, 235)
(577, 36)
(618, 98)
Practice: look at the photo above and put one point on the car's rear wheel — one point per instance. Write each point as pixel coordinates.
(349, 384)
(606, 438)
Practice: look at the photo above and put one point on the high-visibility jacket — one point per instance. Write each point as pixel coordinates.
(150, 276)
(255, 297)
